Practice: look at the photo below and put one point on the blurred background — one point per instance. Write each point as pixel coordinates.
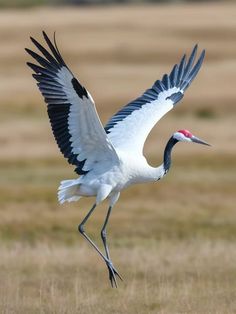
(172, 241)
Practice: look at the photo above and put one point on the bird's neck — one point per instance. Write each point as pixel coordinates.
(156, 173)
(167, 154)
(159, 172)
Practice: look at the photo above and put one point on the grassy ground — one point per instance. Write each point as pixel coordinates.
(173, 241)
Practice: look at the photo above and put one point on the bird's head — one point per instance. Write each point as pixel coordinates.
(186, 136)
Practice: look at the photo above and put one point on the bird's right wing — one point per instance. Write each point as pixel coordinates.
(71, 110)
(129, 127)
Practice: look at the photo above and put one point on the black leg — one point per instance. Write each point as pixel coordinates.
(104, 232)
(104, 240)
(112, 270)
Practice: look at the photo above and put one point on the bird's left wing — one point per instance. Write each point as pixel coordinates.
(129, 127)
(71, 110)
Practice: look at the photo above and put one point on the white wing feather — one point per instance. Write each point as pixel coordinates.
(129, 127)
(71, 109)
(131, 133)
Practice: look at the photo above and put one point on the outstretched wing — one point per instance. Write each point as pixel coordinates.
(71, 110)
(129, 127)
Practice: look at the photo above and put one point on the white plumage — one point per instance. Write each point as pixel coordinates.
(130, 134)
(107, 159)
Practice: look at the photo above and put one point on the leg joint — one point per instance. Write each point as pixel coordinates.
(103, 233)
(81, 228)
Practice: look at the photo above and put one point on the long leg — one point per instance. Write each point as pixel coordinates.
(104, 233)
(104, 240)
(82, 231)
(112, 270)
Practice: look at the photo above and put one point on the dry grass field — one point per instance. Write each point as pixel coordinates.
(172, 241)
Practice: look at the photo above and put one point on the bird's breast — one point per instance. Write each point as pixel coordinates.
(129, 171)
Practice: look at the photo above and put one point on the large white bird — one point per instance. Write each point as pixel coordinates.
(107, 159)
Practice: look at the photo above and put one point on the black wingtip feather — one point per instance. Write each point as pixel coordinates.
(42, 61)
(53, 49)
(181, 69)
(191, 61)
(33, 66)
(55, 43)
(181, 76)
(49, 62)
(46, 54)
(192, 72)
(173, 75)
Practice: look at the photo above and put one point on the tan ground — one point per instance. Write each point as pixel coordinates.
(173, 241)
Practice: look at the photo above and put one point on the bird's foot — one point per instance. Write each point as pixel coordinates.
(112, 274)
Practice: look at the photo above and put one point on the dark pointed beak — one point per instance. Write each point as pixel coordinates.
(197, 140)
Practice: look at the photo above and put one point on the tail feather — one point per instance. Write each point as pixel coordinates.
(68, 191)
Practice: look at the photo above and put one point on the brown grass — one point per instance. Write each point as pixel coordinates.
(165, 277)
(173, 241)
